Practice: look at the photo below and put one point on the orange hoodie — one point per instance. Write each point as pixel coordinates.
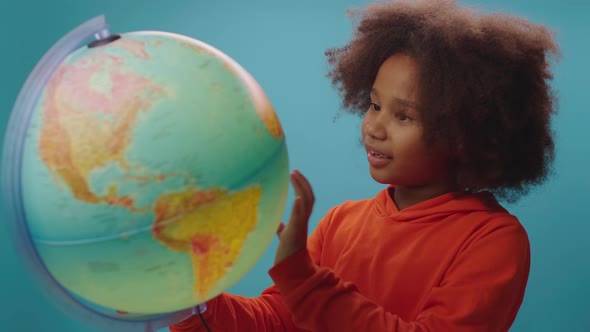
(457, 262)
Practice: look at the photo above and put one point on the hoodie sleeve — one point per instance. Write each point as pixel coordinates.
(481, 291)
(229, 312)
(267, 312)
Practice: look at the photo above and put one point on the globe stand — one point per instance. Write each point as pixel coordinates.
(104, 318)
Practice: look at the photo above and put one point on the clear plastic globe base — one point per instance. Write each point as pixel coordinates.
(96, 31)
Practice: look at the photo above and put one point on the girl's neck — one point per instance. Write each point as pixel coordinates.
(406, 196)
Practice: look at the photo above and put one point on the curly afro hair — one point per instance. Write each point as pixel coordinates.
(484, 86)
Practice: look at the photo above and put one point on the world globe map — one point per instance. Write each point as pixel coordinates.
(154, 173)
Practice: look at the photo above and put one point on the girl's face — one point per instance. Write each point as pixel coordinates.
(393, 133)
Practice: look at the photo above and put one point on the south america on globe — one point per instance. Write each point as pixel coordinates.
(154, 173)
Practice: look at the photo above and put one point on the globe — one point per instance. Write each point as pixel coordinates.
(152, 172)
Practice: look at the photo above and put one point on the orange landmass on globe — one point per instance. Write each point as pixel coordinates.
(271, 121)
(95, 103)
(210, 225)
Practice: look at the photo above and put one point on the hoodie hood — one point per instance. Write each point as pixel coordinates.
(436, 208)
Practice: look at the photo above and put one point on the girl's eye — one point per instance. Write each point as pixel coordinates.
(402, 117)
(375, 107)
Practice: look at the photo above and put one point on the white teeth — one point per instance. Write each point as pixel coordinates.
(378, 154)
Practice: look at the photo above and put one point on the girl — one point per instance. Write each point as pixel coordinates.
(457, 109)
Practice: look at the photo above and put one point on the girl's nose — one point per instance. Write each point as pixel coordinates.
(374, 127)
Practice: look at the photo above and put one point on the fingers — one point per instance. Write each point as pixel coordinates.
(293, 235)
(304, 192)
(280, 229)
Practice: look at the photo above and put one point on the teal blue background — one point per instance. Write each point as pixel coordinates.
(282, 43)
